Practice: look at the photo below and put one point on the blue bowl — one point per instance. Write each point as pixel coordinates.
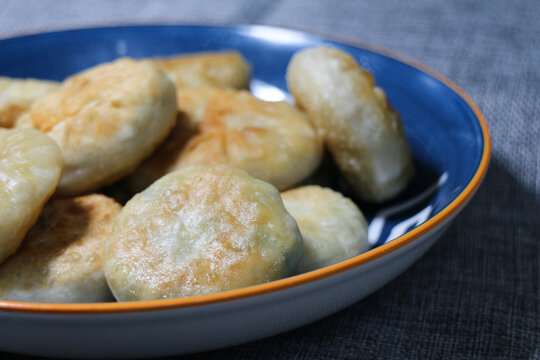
(450, 146)
(443, 128)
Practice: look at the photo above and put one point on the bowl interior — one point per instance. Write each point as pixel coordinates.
(445, 135)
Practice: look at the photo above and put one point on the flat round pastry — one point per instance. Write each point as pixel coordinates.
(61, 258)
(200, 230)
(226, 69)
(18, 95)
(363, 133)
(272, 141)
(107, 120)
(30, 167)
(332, 226)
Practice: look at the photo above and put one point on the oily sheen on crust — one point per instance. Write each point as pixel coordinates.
(61, 258)
(272, 141)
(200, 230)
(106, 120)
(332, 226)
(30, 167)
(364, 134)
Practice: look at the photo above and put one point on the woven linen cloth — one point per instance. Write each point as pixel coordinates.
(476, 293)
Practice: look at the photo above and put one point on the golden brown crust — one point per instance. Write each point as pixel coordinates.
(200, 230)
(332, 226)
(227, 69)
(364, 134)
(30, 167)
(107, 120)
(272, 141)
(18, 95)
(61, 258)
(192, 105)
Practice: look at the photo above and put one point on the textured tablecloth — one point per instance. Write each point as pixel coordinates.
(475, 294)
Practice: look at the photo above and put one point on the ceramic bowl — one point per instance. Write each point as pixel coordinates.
(450, 145)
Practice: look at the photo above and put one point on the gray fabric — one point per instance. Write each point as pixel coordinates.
(476, 294)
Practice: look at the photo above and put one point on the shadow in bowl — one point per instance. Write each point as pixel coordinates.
(413, 206)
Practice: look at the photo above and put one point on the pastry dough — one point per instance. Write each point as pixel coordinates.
(18, 95)
(200, 230)
(107, 120)
(30, 167)
(227, 69)
(272, 141)
(61, 258)
(332, 226)
(363, 133)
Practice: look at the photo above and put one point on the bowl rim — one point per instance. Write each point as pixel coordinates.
(302, 279)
